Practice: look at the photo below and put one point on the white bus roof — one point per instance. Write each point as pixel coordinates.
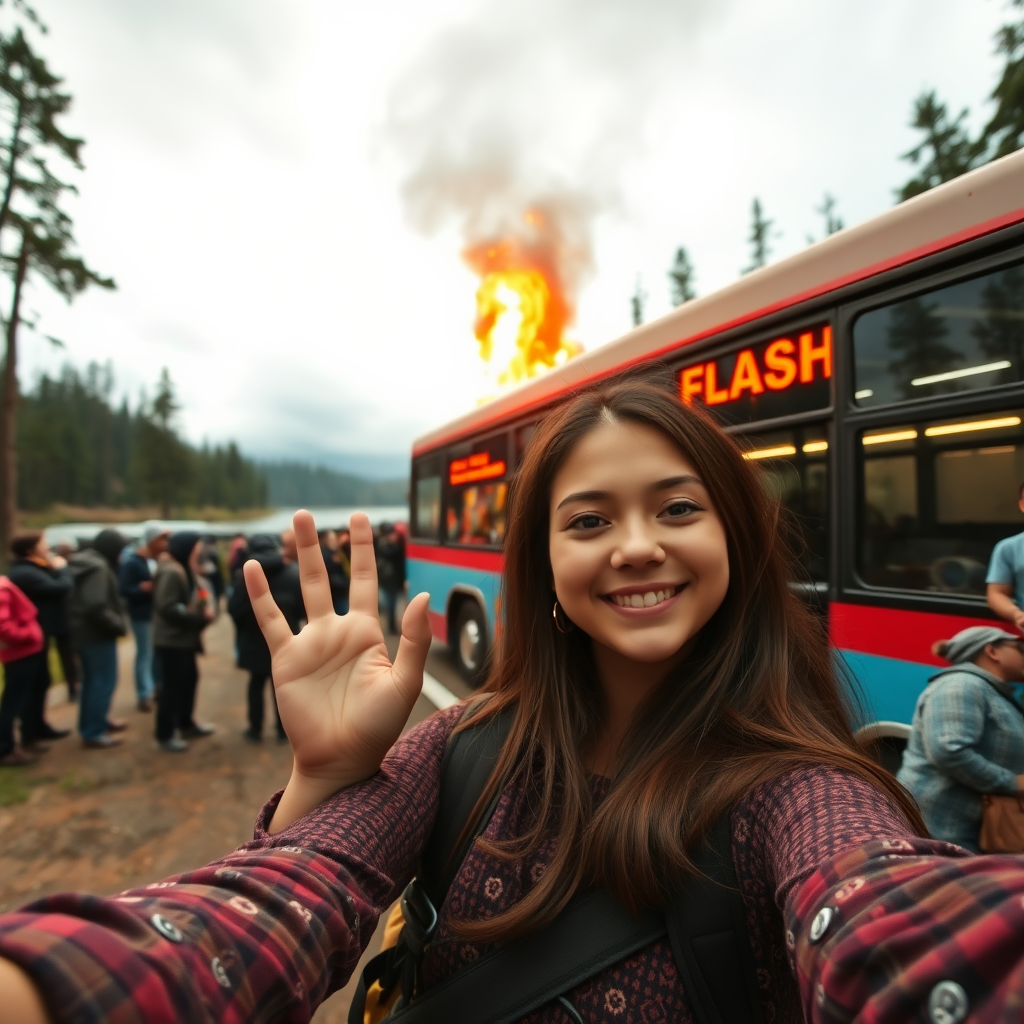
(970, 206)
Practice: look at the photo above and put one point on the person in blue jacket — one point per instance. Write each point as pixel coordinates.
(967, 736)
(135, 574)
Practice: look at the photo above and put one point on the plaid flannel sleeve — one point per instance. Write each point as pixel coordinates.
(265, 934)
(262, 935)
(889, 932)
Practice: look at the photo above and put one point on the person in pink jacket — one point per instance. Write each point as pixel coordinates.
(23, 658)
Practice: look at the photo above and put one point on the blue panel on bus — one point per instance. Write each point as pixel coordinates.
(439, 580)
(890, 687)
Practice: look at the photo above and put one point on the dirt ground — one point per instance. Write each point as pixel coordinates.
(106, 820)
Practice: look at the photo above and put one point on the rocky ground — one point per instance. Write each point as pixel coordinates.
(107, 820)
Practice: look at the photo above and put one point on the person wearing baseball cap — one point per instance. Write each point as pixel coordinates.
(135, 578)
(967, 737)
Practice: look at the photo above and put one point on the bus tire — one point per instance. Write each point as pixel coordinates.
(470, 642)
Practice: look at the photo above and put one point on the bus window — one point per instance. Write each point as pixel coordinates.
(523, 435)
(794, 466)
(426, 500)
(477, 488)
(476, 515)
(935, 499)
(963, 337)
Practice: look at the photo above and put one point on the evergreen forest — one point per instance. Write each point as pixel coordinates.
(78, 446)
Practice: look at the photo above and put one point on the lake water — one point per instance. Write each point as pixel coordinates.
(274, 523)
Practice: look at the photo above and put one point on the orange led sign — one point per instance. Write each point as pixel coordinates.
(778, 377)
(475, 467)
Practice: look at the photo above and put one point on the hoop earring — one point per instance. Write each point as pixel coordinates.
(558, 624)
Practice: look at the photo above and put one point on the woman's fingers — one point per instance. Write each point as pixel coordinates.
(413, 648)
(275, 629)
(363, 588)
(316, 587)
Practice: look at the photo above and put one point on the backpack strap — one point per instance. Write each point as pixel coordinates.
(503, 986)
(466, 766)
(707, 925)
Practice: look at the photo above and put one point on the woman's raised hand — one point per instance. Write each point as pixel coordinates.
(342, 702)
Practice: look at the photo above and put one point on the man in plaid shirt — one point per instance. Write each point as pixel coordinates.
(968, 733)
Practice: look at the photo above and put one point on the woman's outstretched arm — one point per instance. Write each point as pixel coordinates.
(882, 925)
(19, 996)
(262, 935)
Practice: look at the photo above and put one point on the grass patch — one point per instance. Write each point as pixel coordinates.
(14, 787)
(76, 782)
(59, 513)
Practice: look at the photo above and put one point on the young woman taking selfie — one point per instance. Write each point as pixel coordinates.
(658, 679)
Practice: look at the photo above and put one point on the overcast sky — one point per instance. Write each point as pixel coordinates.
(278, 185)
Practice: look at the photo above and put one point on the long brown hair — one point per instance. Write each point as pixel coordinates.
(757, 697)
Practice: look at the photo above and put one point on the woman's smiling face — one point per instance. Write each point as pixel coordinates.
(638, 554)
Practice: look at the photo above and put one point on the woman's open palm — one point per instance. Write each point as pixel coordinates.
(342, 701)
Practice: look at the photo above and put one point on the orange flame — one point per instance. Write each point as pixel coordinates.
(522, 309)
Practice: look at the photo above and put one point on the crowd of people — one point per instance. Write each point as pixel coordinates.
(165, 589)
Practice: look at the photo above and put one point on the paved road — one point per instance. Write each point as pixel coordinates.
(103, 821)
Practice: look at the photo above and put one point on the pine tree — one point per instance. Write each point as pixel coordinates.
(681, 276)
(945, 152)
(31, 219)
(637, 302)
(162, 461)
(1001, 334)
(916, 339)
(760, 233)
(1005, 132)
(833, 222)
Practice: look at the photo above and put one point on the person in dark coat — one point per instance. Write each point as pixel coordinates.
(390, 570)
(135, 576)
(238, 552)
(98, 618)
(253, 653)
(211, 569)
(65, 547)
(338, 570)
(45, 580)
(182, 609)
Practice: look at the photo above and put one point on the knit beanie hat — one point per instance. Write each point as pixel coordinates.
(970, 642)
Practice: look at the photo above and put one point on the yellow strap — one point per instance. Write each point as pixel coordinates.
(375, 1011)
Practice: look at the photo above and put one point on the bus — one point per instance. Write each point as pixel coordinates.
(878, 379)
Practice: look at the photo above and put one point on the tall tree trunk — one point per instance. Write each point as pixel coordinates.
(9, 420)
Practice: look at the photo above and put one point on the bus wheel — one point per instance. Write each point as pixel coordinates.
(471, 642)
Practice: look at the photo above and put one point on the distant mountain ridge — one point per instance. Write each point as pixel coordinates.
(297, 484)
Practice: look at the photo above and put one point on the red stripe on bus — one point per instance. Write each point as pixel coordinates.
(439, 626)
(464, 558)
(910, 256)
(894, 632)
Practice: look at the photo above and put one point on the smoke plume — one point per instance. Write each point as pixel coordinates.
(515, 126)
